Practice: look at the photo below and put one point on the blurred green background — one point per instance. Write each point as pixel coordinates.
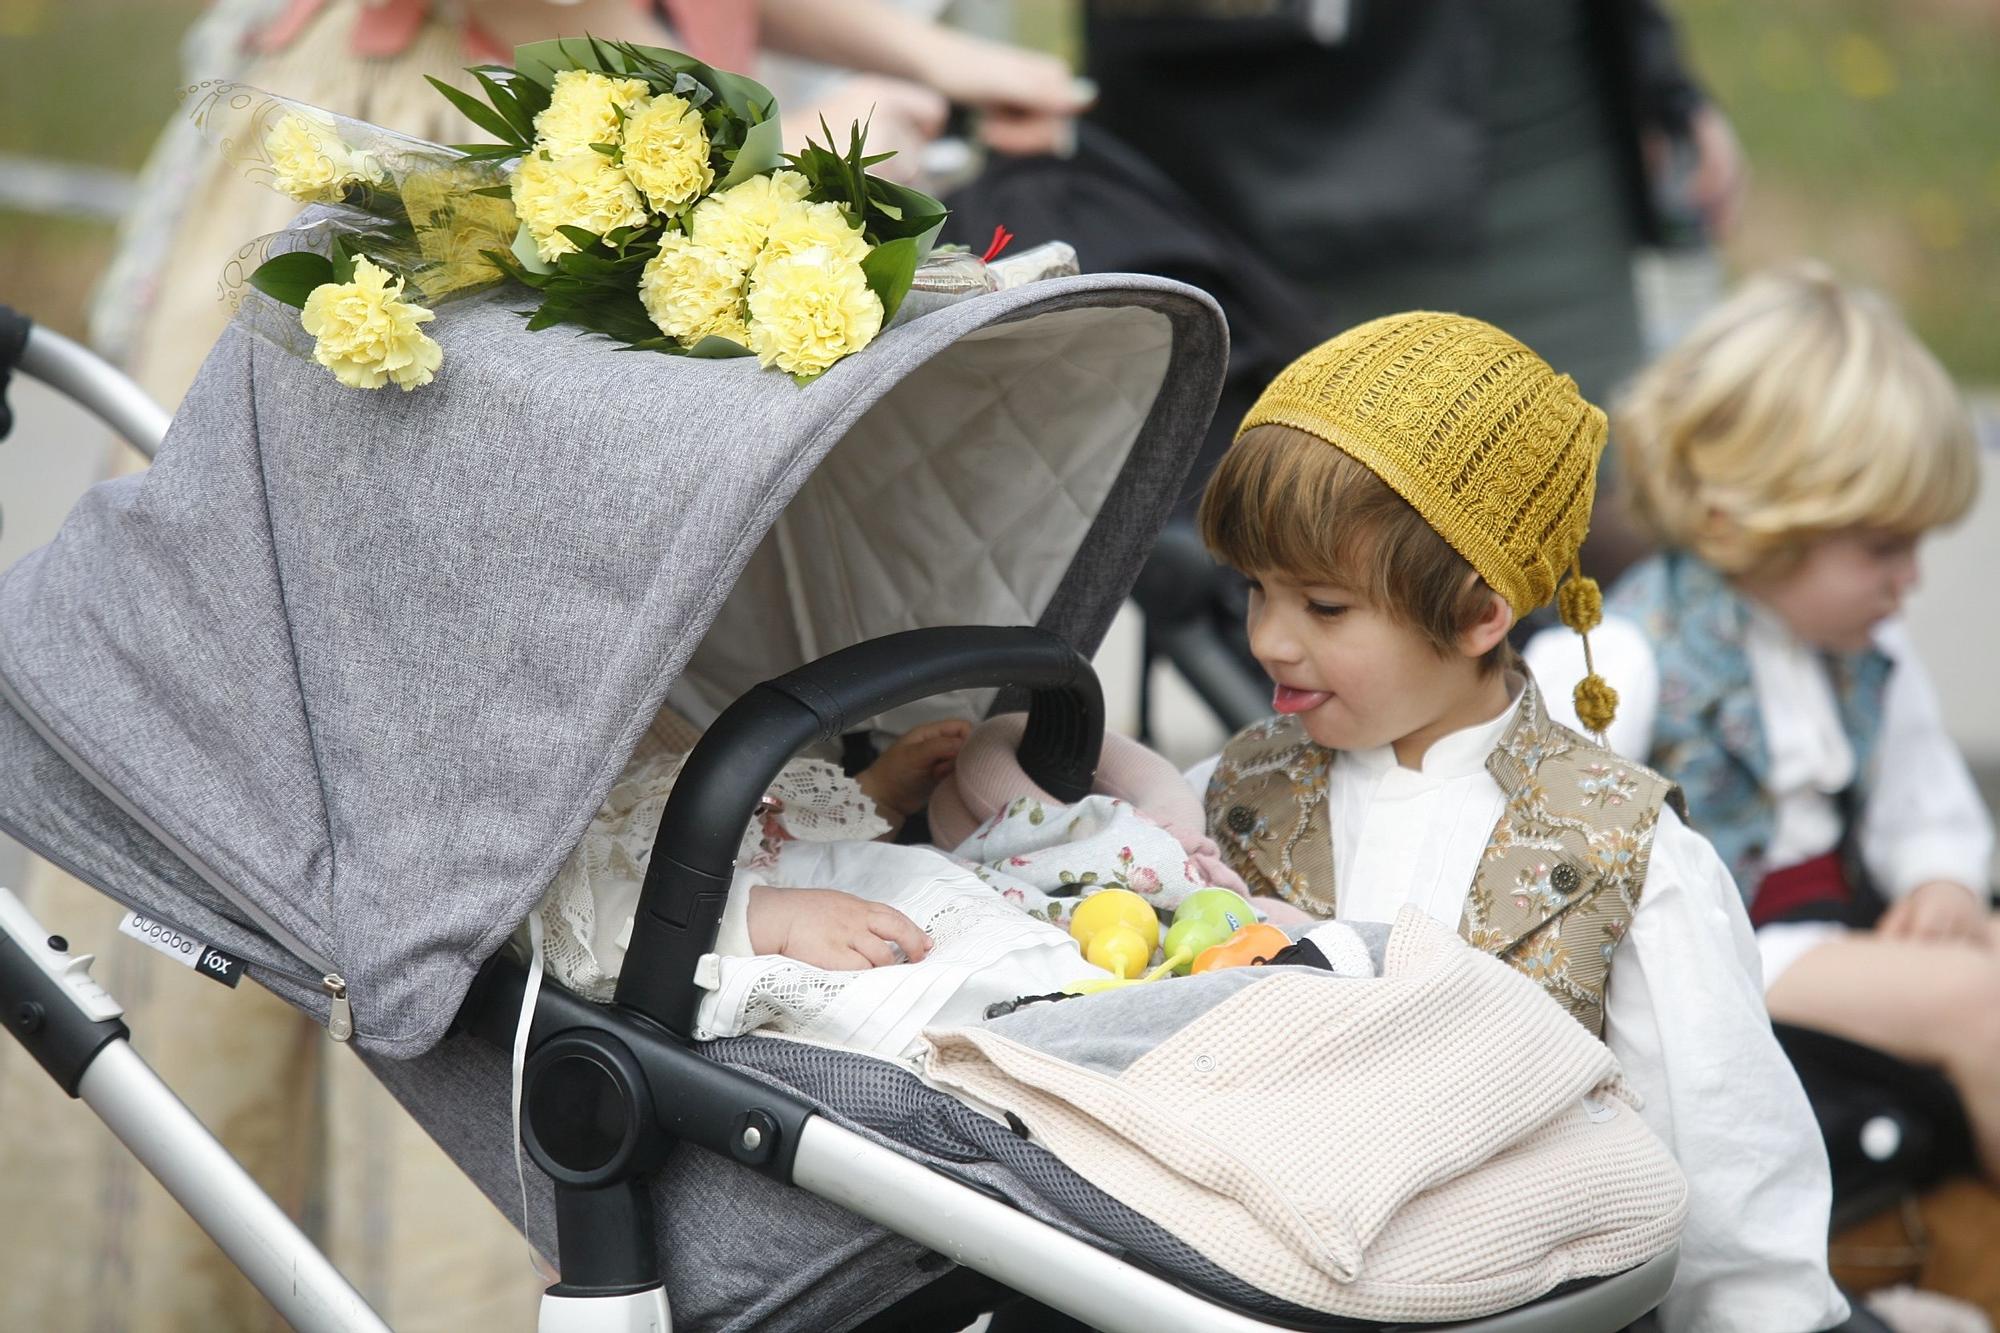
(1872, 126)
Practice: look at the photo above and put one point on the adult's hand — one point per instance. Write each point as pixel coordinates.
(1721, 176)
(1027, 100)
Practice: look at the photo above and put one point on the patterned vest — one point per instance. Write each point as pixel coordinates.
(1709, 731)
(1562, 872)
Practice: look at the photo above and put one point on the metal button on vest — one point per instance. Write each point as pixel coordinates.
(1240, 819)
(1564, 878)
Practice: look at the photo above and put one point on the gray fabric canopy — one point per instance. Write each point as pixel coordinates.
(339, 682)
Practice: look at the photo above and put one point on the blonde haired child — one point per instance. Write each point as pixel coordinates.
(1789, 455)
(1398, 497)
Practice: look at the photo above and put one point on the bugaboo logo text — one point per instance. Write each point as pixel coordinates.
(189, 951)
(164, 937)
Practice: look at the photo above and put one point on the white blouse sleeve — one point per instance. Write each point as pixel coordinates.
(1198, 776)
(1625, 659)
(1925, 819)
(1685, 1016)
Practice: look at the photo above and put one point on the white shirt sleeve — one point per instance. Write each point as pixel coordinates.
(1625, 659)
(1925, 819)
(1685, 1016)
(1198, 776)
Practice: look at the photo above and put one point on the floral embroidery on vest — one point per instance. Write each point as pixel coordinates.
(1708, 731)
(1561, 874)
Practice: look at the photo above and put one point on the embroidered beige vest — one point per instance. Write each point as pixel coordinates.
(1562, 872)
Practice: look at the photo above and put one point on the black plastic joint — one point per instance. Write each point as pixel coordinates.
(44, 1019)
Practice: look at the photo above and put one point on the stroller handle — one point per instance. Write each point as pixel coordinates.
(737, 759)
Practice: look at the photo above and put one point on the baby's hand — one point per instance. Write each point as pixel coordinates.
(901, 781)
(831, 929)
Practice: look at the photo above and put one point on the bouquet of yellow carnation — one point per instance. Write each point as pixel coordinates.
(656, 208)
(640, 192)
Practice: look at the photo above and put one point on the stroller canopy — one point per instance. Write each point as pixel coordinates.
(338, 683)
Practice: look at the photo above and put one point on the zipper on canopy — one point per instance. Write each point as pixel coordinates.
(325, 977)
(76, 872)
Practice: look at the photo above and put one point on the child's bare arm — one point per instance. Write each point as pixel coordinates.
(1939, 910)
(900, 782)
(831, 929)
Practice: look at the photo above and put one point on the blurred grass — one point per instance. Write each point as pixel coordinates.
(89, 80)
(1873, 127)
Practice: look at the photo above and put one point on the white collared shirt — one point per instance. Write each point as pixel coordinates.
(1684, 1014)
(1924, 819)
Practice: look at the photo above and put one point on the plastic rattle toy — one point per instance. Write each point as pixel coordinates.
(1117, 929)
(1253, 944)
(1204, 920)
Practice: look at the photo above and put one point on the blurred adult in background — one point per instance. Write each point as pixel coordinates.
(306, 1119)
(1502, 158)
(1499, 157)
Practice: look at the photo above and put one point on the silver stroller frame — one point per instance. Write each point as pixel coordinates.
(607, 1089)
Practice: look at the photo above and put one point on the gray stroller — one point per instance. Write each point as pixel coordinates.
(371, 661)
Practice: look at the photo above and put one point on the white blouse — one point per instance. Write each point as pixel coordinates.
(1924, 818)
(1684, 1014)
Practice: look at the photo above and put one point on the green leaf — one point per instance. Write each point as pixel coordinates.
(525, 251)
(291, 278)
(507, 105)
(890, 268)
(541, 61)
(496, 191)
(486, 152)
(476, 111)
(577, 236)
(763, 149)
(715, 347)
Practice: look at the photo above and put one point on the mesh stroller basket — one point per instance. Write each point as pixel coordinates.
(337, 685)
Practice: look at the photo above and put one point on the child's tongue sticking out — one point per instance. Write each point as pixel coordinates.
(1286, 699)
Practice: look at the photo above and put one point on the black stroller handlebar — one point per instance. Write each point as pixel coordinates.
(694, 855)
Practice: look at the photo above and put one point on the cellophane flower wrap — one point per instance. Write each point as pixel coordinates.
(642, 195)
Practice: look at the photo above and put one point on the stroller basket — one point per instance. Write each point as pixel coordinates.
(271, 756)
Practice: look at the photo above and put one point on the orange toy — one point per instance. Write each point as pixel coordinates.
(1252, 944)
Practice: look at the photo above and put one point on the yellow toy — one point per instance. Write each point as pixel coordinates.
(1117, 929)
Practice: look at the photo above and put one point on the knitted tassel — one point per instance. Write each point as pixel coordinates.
(1580, 602)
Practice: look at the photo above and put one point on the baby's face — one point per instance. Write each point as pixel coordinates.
(1846, 584)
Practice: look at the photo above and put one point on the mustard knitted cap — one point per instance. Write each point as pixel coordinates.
(1494, 449)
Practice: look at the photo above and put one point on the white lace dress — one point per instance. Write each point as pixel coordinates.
(587, 912)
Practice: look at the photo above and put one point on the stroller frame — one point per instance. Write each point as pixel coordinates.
(606, 1090)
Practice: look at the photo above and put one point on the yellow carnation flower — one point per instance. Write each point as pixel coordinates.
(666, 154)
(584, 108)
(583, 189)
(809, 310)
(310, 163)
(737, 220)
(366, 335)
(801, 226)
(692, 291)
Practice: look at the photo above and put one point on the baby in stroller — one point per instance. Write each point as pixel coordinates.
(818, 884)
